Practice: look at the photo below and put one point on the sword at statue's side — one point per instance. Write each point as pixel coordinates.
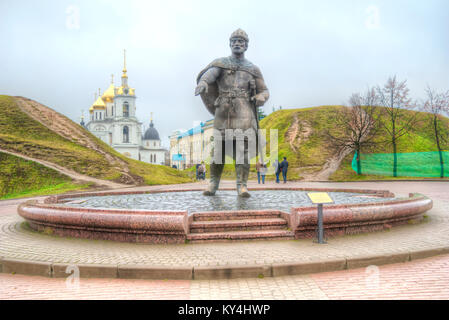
(253, 92)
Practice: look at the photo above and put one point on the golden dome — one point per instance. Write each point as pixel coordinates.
(99, 104)
(131, 91)
(109, 94)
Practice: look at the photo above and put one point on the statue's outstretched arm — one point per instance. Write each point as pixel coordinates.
(210, 76)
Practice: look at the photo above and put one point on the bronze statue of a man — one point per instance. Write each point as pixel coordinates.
(232, 88)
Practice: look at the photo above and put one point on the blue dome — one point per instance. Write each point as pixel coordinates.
(151, 133)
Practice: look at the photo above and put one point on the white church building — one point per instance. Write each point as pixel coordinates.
(113, 120)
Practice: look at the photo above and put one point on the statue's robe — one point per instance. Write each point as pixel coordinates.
(229, 94)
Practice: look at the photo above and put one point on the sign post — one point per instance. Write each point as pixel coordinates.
(320, 198)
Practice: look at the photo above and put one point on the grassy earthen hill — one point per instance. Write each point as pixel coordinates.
(36, 132)
(311, 156)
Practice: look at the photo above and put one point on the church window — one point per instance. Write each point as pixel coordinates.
(126, 109)
(125, 134)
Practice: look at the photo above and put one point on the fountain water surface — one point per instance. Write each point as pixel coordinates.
(194, 201)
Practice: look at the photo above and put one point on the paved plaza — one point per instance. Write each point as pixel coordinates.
(419, 278)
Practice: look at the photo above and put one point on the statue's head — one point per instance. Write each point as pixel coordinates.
(238, 41)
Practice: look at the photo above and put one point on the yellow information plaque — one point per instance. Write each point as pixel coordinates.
(320, 197)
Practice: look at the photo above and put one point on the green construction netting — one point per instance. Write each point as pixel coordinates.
(413, 164)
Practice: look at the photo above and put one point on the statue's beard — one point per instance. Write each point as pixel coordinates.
(238, 50)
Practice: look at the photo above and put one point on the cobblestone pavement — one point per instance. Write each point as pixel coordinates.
(19, 243)
(42, 288)
(422, 279)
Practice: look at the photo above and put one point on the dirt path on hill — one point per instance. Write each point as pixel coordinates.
(63, 126)
(328, 169)
(72, 174)
(298, 132)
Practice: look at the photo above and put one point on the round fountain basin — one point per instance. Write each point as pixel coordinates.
(168, 216)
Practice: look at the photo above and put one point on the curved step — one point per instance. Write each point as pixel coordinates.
(241, 235)
(236, 215)
(237, 225)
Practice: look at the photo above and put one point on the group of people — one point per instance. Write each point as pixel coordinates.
(261, 169)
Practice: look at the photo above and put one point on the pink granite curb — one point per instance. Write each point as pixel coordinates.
(153, 226)
(340, 220)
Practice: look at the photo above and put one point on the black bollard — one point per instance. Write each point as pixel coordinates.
(320, 224)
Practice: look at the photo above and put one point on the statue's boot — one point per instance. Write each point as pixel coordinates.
(215, 174)
(242, 172)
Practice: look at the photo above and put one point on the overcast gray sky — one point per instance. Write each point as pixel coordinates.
(311, 52)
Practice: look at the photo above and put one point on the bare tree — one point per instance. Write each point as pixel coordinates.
(358, 124)
(436, 104)
(397, 121)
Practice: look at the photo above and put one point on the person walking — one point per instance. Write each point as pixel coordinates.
(202, 171)
(284, 167)
(276, 169)
(258, 167)
(263, 172)
(197, 172)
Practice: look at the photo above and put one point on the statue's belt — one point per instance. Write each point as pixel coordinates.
(234, 94)
(230, 96)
